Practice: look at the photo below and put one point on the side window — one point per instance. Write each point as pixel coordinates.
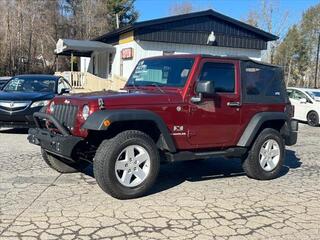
(260, 81)
(297, 95)
(62, 84)
(222, 74)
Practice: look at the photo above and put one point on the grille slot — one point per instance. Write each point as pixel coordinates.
(66, 114)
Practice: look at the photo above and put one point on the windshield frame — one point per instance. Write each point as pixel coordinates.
(154, 84)
(32, 80)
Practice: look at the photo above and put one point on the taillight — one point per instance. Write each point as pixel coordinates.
(289, 110)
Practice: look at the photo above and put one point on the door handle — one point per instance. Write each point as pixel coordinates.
(233, 104)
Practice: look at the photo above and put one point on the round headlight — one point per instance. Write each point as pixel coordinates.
(85, 112)
(51, 107)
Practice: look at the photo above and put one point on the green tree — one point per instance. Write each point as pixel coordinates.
(292, 54)
(310, 30)
(125, 10)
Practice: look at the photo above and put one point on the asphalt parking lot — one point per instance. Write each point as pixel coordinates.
(210, 199)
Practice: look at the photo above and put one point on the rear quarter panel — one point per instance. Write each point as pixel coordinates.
(248, 110)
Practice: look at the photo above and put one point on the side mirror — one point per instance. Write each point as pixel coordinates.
(303, 100)
(203, 88)
(64, 90)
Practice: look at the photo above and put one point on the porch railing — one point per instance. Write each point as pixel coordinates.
(76, 79)
(87, 82)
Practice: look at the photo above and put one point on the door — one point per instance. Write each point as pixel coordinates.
(215, 121)
(301, 102)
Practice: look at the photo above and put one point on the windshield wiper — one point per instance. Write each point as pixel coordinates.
(157, 86)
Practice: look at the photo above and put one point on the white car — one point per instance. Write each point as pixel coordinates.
(306, 102)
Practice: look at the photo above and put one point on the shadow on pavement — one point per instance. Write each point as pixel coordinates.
(292, 161)
(14, 131)
(174, 174)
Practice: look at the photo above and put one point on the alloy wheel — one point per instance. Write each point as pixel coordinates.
(132, 166)
(269, 155)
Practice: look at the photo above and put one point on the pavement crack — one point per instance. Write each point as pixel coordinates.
(34, 200)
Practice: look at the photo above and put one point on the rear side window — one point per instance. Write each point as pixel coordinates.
(262, 83)
(222, 74)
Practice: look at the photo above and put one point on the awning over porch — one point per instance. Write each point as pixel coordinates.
(81, 48)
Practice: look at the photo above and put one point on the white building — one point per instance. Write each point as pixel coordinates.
(114, 55)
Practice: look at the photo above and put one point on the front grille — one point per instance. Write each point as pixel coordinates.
(66, 114)
(13, 106)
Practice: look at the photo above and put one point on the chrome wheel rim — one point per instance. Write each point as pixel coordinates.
(132, 166)
(269, 155)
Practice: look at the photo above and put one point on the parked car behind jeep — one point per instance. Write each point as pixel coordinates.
(306, 102)
(24, 95)
(175, 108)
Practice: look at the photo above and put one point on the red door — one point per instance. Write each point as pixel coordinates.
(215, 121)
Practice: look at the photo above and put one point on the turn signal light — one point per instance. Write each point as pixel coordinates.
(106, 123)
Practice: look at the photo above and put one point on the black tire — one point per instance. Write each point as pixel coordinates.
(251, 164)
(55, 163)
(106, 157)
(313, 119)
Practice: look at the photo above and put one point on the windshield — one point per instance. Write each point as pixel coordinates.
(30, 85)
(314, 94)
(171, 72)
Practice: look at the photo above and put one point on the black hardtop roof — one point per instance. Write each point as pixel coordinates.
(268, 36)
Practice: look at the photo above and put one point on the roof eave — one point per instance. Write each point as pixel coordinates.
(268, 36)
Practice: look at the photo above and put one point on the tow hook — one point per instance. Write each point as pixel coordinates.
(34, 140)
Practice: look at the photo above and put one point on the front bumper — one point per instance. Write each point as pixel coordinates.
(290, 132)
(61, 144)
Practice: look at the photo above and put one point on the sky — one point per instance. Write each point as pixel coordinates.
(238, 9)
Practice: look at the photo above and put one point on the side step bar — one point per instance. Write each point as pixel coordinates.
(187, 155)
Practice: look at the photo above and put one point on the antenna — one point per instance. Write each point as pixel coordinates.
(117, 20)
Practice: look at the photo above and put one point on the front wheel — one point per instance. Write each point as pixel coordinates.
(266, 157)
(127, 165)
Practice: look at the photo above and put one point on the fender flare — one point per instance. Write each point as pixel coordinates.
(255, 123)
(95, 122)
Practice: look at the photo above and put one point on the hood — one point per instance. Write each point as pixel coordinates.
(25, 96)
(111, 98)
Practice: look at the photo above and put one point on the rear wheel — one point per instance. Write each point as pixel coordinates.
(313, 119)
(266, 157)
(127, 165)
(57, 163)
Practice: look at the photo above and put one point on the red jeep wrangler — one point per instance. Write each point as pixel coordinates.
(173, 108)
